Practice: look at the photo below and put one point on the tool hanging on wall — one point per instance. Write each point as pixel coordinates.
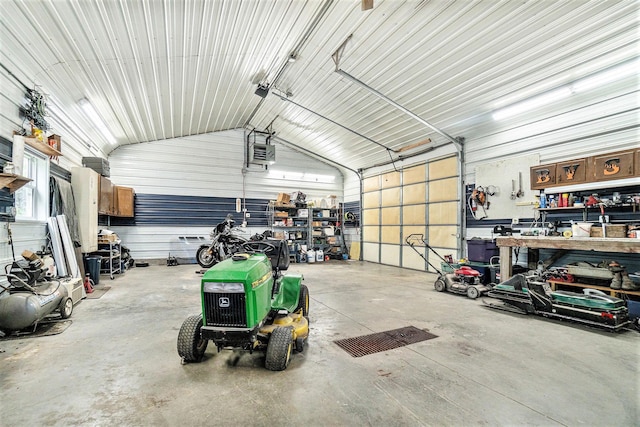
(520, 193)
(478, 200)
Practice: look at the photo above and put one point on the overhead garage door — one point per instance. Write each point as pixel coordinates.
(421, 199)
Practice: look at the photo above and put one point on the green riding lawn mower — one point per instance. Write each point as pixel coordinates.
(249, 304)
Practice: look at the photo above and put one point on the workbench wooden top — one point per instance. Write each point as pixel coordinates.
(602, 244)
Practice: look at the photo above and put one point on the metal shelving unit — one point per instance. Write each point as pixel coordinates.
(111, 254)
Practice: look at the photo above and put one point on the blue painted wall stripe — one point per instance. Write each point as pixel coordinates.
(156, 209)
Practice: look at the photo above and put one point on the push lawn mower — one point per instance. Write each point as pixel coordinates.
(529, 294)
(464, 280)
(248, 304)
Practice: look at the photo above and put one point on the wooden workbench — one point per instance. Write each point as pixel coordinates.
(595, 244)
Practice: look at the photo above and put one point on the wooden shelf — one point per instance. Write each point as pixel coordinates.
(13, 182)
(42, 147)
(612, 292)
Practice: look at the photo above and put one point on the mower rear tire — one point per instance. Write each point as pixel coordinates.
(303, 301)
(440, 285)
(204, 257)
(472, 292)
(191, 345)
(279, 349)
(66, 308)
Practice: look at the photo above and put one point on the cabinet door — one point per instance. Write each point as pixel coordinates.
(614, 165)
(85, 182)
(105, 203)
(572, 172)
(124, 198)
(543, 176)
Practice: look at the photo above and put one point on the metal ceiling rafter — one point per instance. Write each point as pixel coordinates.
(337, 56)
(296, 50)
(284, 98)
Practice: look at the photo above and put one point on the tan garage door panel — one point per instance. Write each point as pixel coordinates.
(371, 183)
(391, 197)
(371, 200)
(370, 252)
(391, 179)
(390, 255)
(371, 234)
(413, 215)
(390, 216)
(413, 194)
(371, 217)
(412, 229)
(414, 174)
(442, 236)
(443, 168)
(443, 189)
(443, 213)
(390, 234)
(411, 259)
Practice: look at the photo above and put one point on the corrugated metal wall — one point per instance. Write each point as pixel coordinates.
(206, 166)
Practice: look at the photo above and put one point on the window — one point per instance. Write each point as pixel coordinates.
(32, 200)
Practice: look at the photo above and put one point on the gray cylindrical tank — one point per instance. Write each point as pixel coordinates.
(20, 310)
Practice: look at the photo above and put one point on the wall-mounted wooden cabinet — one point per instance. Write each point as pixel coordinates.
(124, 201)
(115, 200)
(105, 204)
(600, 168)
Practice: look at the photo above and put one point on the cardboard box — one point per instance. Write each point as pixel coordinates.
(281, 214)
(55, 141)
(278, 235)
(106, 238)
(283, 198)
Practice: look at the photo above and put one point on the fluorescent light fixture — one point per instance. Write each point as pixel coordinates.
(95, 118)
(616, 73)
(300, 176)
(554, 95)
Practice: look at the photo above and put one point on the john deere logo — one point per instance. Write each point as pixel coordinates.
(223, 302)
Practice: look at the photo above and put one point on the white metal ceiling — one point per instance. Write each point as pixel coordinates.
(161, 69)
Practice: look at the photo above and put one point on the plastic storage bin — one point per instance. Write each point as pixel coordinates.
(482, 250)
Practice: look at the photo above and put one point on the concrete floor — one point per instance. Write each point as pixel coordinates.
(117, 363)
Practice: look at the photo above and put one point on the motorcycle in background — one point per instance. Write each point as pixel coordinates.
(223, 244)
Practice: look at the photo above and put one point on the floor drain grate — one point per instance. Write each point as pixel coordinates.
(383, 341)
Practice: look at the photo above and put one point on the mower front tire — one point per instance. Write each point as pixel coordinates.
(191, 345)
(303, 301)
(440, 285)
(279, 349)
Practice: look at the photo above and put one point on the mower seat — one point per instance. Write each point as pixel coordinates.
(279, 256)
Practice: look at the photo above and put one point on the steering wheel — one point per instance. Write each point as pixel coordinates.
(258, 247)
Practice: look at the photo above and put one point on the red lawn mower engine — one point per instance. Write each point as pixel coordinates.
(467, 275)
